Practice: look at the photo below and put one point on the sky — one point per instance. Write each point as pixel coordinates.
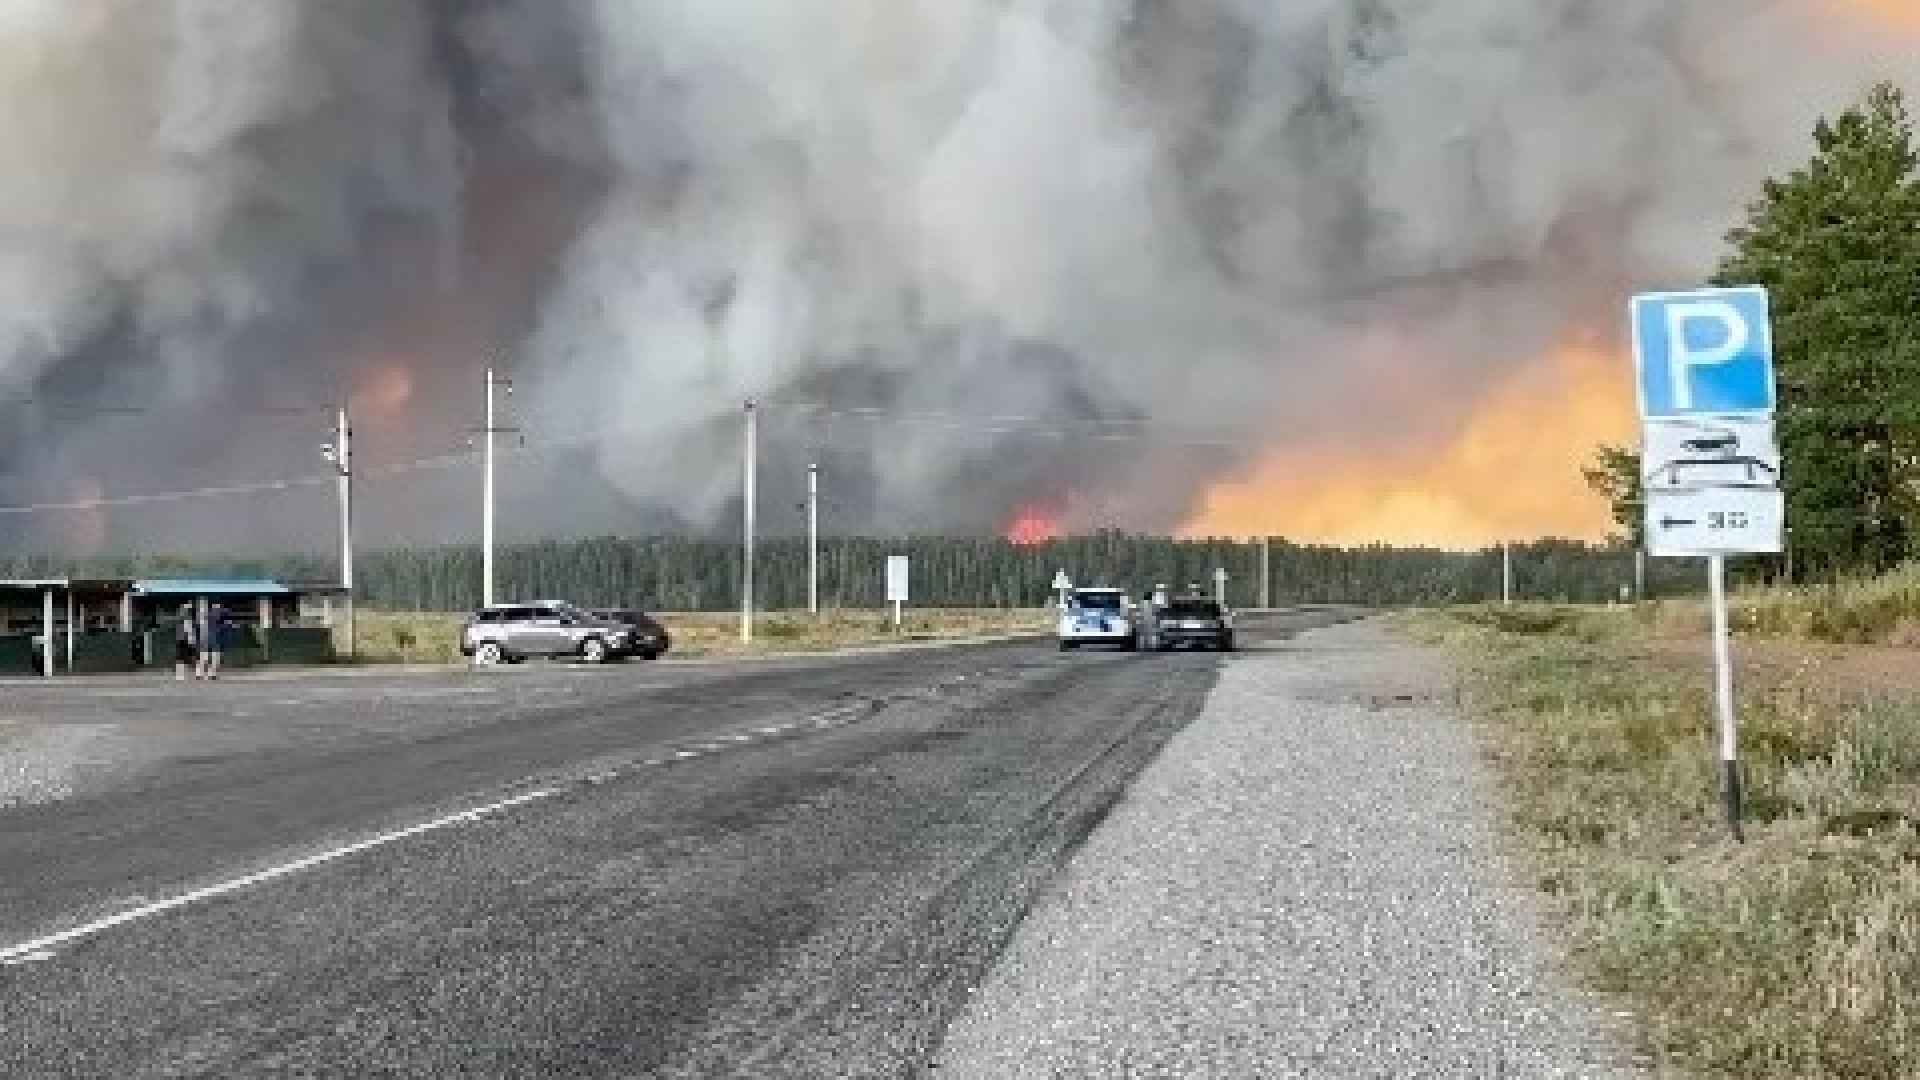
(1341, 270)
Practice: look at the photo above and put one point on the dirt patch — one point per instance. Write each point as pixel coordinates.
(1842, 672)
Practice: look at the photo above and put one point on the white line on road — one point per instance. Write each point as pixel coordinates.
(40, 948)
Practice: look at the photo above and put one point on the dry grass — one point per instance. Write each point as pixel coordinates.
(1795, 955)
(433, 638)
(1876, 610)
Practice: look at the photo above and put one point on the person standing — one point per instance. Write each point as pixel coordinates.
(186, 644)
(1156, 602)
(212, 638)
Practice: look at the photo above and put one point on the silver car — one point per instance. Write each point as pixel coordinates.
(510, 633)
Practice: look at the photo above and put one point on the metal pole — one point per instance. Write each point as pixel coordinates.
(1506, 574)
(73, 614)
(1639, 574)
(1723, 694)
(813, 539)
(748, 524)
(46, 632)
(343, 462)
(486, 496)
(1266, 573)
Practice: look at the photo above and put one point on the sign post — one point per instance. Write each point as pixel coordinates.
(1709, 463)
(1062, 584)
(899, 573)
(1220, 585)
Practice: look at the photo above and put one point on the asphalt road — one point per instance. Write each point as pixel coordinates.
(780, 868)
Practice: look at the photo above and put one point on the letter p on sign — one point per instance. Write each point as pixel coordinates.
(1686, 353)
(1704, 352)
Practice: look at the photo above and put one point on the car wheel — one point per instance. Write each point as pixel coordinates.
(1066, 646)
(488, 654)
(593, 651)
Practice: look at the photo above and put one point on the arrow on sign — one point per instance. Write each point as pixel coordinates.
(1671, 522)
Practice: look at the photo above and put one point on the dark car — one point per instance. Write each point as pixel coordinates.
(1195, 624)
(650, 638)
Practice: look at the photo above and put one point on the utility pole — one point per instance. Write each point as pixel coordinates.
(1266, 573)
(340, 453)
(1506, 573)
(488, 486)
(813, 539)
(750, 469)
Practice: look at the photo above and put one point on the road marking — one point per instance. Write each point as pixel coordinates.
(41, 948)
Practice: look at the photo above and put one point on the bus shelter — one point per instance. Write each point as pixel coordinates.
(89, 623)
(263, 619)
(101, 625)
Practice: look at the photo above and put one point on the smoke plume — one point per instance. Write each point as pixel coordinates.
(938, 241)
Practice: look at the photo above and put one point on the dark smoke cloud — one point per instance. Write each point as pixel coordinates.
(1156, 219)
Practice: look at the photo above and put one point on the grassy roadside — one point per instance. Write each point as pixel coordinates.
(1795, 955)
(433, 638)
(1876, 610)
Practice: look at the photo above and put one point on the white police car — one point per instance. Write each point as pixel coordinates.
(1097, 616)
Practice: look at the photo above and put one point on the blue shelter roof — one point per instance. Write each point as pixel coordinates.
(208, 587)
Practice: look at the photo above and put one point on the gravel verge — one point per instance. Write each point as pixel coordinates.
(39, 765)
(1308, 882)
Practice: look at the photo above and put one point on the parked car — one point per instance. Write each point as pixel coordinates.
(1193, 623)
(651, 639)
(511, 633)
(1097, 616)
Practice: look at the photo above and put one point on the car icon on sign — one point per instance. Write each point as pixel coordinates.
(1720, 443)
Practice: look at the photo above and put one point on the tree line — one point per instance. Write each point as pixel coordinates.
(685, 574)
(1836, 242)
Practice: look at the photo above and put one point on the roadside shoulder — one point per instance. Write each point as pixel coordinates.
(1308, 881)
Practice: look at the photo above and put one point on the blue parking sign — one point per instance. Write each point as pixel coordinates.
(1703, 352)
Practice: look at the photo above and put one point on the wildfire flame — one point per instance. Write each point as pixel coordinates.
(1510, 470)
(1033, 525)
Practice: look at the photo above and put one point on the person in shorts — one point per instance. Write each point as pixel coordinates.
(186, 644)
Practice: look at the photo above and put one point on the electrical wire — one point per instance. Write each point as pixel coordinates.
(265, 487)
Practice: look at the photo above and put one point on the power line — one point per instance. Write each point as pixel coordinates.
(265, 487)
(78, 408)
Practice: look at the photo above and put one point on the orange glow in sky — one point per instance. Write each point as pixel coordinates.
(388, 390)
(1511, 470)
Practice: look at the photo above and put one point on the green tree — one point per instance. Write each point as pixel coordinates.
(1615, 477)
(1837, 244)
